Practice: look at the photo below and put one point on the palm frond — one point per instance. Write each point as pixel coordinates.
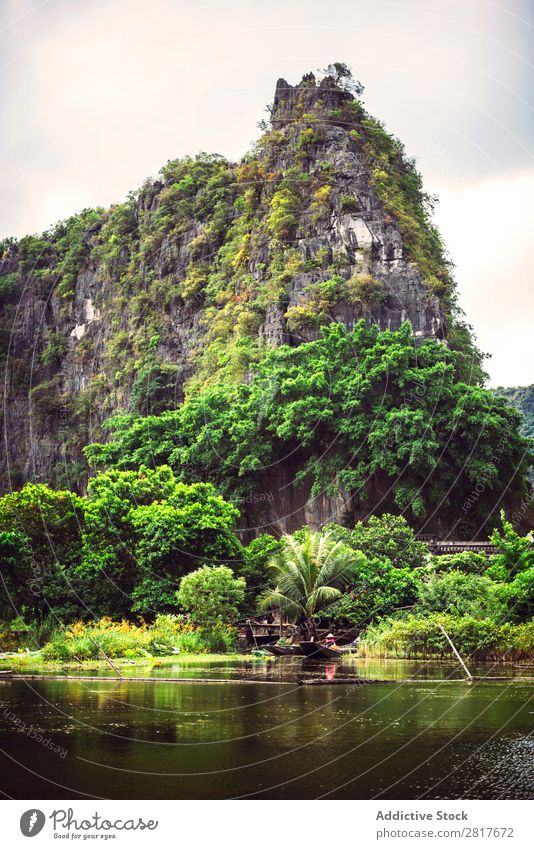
(276, 600)
(321, 597)
(339, 564)
(309, 572)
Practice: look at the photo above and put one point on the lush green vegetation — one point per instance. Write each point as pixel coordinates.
(167, 635)
(486, 603)
(360, 411)
(212, 598)
(120, 550)
(133, 546)
(398, 593)
(149, 560)
(522, 398)
(416, 636)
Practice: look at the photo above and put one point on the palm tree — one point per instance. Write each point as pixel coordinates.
(310, 572)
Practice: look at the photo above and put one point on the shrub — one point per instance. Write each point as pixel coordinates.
(461, 594)
(46, 401)
(420, 636)
(56, 347)
(167, 635)
(377, 589)
(211, 596)
(515, 552)
(219, 638)
(88, 641)
(8, 283)
(300, 319)
(323, 256)
(282, 217)
(365, 290)
(348, 203)
(154, 387)
(464, 561)
(307, 138)
(390, 537)
(254, 569)
(321, 202)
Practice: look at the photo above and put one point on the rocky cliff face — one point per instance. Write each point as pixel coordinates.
(194, 275)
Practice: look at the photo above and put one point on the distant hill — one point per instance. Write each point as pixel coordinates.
(522, 398)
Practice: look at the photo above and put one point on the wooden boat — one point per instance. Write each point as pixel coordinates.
(318, 650)
(283, 651)
(263, 633)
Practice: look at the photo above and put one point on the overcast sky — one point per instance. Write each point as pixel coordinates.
(96, 95)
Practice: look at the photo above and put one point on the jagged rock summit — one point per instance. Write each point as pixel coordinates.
(359, 222)
(199, 271)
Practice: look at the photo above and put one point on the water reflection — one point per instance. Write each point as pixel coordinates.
(298, 668)
(127, 739)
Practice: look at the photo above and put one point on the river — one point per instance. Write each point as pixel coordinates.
(256, 733)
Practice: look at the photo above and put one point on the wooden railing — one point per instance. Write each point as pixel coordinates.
(455, 546)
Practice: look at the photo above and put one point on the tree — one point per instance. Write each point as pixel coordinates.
(463, 561)
(144, 531)
(514, 566)
(515, 552)
(390, 537)
(15, 555)
(363, 412)
(255, 566)
(109, 571)
(40, 547)
(461, 594)
(343, 77)
(310, 573)
(378, 588)
(211, 596)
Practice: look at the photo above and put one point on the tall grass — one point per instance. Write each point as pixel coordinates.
(166, 635)
(420, 636)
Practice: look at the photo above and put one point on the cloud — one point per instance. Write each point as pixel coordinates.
(97, 95)
(103, 93)
(488, 229)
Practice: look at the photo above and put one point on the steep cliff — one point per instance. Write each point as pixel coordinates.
(204, 268)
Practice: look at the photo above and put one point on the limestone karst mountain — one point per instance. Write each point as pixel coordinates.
(203, 270)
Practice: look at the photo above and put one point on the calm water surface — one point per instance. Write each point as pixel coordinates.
(268, 737)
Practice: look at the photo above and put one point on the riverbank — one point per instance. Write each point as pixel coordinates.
(29, 663)
(76, 642)
(367, 666)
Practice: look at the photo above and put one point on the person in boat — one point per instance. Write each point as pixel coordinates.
(330, 641)
(295, 635)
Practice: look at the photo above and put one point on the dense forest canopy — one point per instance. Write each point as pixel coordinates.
(362, 411)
